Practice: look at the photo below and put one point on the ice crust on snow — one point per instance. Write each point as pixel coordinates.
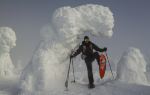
(7, 42)
(132, 67)
(47, 68)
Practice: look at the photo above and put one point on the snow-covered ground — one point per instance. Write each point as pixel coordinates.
(103, 87)
(108, 87)
(47, 70)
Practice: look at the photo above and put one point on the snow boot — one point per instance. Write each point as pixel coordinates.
(90, 86)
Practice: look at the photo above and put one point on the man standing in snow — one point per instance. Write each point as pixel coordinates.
(89, 56)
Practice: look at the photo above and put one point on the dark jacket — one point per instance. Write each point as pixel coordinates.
(87, 49)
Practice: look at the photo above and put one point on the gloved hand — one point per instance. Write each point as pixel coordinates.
(105, 49)
(71, 56)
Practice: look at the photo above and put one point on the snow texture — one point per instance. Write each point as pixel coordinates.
(7, 42)
(46, 71)
(72, 23)
(132, 67)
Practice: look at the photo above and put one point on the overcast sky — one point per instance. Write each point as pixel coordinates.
(27, 17)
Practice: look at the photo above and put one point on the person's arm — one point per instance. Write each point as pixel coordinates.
(78, 51)
(98, 49)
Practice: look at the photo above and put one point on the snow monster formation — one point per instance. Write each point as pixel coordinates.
(132, 67)
(46, 71)
(7, 42)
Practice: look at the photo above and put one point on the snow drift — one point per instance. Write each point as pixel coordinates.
(47, 69)
(132, 67)
(7, 41)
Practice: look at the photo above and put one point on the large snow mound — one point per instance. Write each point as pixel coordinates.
(71, 23)
(7, 41)
(46, 71)
(48, 67)
(132, 67)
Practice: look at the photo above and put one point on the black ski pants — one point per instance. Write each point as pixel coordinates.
(88, 61)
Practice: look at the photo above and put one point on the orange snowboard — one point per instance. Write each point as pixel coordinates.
(102, 66)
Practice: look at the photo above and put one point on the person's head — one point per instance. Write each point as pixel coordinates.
(86, 39)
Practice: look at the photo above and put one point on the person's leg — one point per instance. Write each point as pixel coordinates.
(96, 56)
(89, 70)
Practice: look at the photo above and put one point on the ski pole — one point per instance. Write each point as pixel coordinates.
(109, 65)
(71, 61)
(66, 83)
(73, 72)
(72, 66)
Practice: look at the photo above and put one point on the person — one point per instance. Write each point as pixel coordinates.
(89, 56)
